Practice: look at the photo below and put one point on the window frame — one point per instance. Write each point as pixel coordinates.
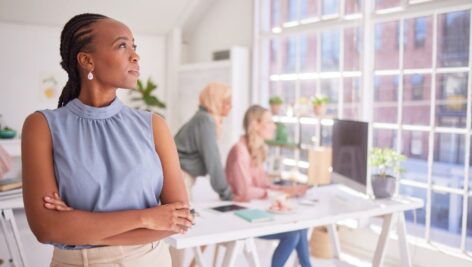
(367, 23)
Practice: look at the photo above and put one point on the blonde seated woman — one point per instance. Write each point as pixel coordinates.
(248, 180)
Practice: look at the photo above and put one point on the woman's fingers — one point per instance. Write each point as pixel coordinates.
(55, 203)
(185, 214)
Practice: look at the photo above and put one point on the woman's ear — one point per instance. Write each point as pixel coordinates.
(85, 61)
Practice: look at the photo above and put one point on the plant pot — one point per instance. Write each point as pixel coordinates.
(320, 110)
(383, 186)
(7, 134)
(275, 109)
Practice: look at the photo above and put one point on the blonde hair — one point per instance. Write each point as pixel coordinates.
(212, 98)
(256, 145)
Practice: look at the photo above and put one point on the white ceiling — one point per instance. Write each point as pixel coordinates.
(142, 16)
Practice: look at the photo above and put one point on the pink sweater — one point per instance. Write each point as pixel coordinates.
(247, 182)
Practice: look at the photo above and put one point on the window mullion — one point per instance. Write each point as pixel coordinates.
(433, 127)
(367, 78)
(401, 49)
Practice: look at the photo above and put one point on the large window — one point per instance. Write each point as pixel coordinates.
(403, 66)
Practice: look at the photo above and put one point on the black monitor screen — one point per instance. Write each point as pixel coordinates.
(350, 150)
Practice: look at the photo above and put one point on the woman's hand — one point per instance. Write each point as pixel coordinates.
(295, 190)
(54, 202)
(174, 217)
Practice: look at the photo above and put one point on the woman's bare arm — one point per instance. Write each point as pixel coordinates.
(76, 227)
(174, 189)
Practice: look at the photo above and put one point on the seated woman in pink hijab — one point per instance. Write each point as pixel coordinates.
(248, 180)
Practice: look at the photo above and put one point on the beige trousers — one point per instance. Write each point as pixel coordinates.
(152, 254)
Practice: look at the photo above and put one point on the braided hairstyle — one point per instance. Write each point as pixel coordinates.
(75, 37)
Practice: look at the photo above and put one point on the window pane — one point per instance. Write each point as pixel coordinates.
(326, 135)
(352, 48)
(385, 138)
(416, 99)
(289, 45)
(289, 11)
(308, 47)
(448, 165)
(470, 167)
(385, 98)
(415, 146)
(386, 46)
(468, 240)
(451, 100)
(309, 9)
(446, 218)
(288, 93)
(353, 6)
(330, 88)
(275, 89)
(352, 99)
(384, 4)
(308, 89)
(275, 13)
(307, 133)
(415, 218)
(274, 52)
(330, 47)
(330, 7)
(419, 46)
(289, 153)
(453, 39)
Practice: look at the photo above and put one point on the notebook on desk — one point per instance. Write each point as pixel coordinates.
(9, 183)
(254, 215)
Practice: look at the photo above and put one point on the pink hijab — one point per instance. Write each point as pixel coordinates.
(211, 98)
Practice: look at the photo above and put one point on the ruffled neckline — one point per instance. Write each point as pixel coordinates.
(88, 112)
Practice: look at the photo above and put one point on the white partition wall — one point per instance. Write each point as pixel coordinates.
(192, 78)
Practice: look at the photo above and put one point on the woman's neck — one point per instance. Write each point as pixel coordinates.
(97, 97)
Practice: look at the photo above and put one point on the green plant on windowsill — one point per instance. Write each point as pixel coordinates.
(143, 95)
(320, 103)
(276, 103)
(386, 163)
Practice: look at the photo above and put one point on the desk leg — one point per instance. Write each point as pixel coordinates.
(251, 253)
(334, 238)
(232, 250)
(6, 235)
(198, 257)
(382, 242)
(9, 216)
(402, 241)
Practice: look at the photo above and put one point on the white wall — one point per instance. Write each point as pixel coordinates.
(30, 53)
(227, 23)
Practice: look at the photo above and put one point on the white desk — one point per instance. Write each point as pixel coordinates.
(9, 201)
(335, 203)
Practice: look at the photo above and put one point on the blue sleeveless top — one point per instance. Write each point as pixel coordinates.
(104, 158)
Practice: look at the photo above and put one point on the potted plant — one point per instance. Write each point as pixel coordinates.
(275, 103)
(386, 163)
(7, 133)
(320, 104)
(145, 97)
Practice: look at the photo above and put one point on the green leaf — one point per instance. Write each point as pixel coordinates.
(146, 95)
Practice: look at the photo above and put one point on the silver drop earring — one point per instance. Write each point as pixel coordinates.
(90, 75)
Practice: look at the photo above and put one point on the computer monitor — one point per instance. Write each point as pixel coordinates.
(349, 153)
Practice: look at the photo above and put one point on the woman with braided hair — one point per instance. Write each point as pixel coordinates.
(101, 181)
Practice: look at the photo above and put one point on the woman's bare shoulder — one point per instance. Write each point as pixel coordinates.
(36, 125)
